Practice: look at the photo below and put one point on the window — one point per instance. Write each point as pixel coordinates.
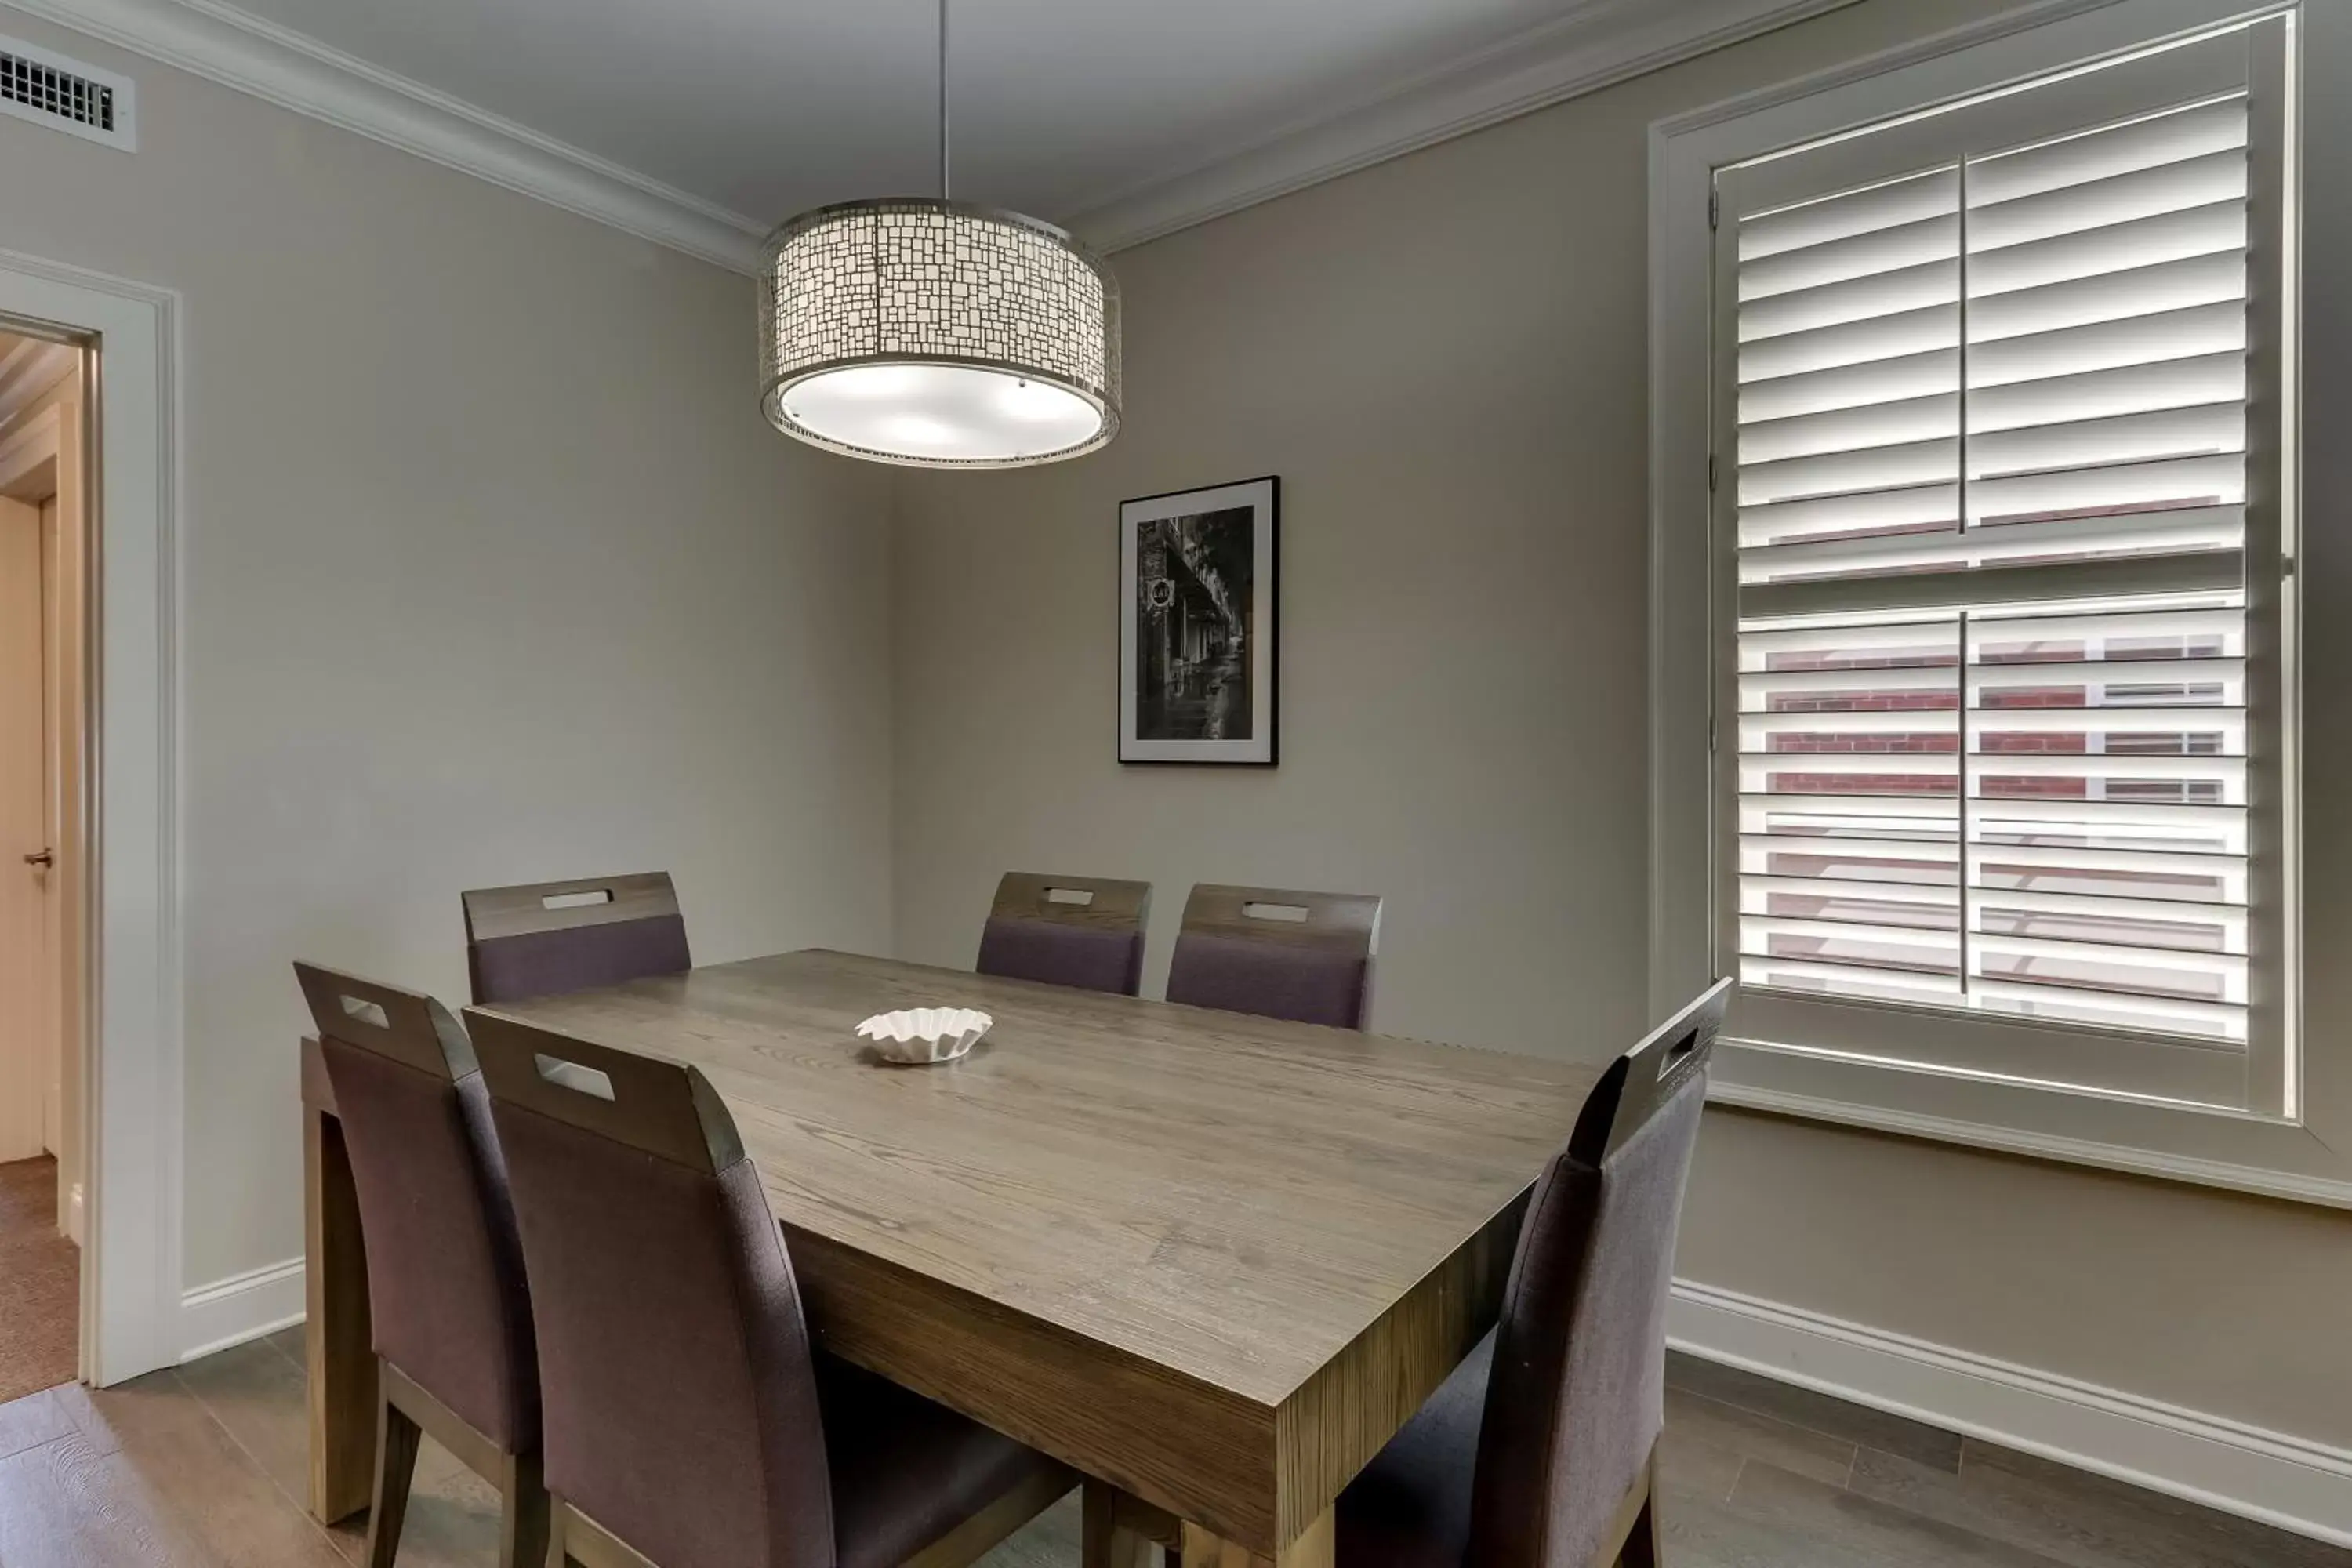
(1982, 748)
(1999, 728)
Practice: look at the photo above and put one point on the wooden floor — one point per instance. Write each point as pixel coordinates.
(203, 1467)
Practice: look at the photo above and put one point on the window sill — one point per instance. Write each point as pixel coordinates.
(2261, 1155)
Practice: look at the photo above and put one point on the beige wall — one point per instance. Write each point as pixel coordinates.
(490, 572)
(1444, 358)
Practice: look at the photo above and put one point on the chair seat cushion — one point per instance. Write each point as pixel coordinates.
(905, 1471)
(1410, 1508)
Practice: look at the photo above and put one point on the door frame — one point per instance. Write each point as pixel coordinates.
(132, 1099)
(53, 439)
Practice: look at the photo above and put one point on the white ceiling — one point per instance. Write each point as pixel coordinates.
(28, 367)
(764, 107)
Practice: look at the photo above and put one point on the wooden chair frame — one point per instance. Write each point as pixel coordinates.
(524, 909)
(1113, 904)
(404, 1412)
(1338, 922)
(416, 1031)
(670, 1110)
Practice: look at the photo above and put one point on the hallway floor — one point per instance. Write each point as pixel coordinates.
(40, 1282)
(206, 1467)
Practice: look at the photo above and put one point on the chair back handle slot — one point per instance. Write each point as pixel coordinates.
(573, 1076)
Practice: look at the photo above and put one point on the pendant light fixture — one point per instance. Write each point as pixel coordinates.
(937, 333)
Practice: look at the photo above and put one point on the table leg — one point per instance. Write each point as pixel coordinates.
(1111, 1540)
(336, 1334)
(1314, 1549)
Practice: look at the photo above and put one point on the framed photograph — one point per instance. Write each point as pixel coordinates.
(1196, 626)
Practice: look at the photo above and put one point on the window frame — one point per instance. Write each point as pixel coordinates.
(2299, 1143)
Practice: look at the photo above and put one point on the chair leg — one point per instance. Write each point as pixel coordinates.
(523, 1528)
(556, 1511)
(1645, 1544)
(396, 1436)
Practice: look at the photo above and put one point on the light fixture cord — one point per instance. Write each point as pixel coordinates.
(943, 99)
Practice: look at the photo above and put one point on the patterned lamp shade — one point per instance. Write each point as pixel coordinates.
(938, 334)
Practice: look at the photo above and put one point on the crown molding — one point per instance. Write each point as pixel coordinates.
(1596, 47)
(236, 49)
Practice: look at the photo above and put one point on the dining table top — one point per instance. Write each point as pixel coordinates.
(1231, 1198)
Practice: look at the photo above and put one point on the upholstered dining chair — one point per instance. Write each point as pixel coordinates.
(448, 1309)
(547, 937)
(1540, 1451)
(1277, 953)
(689, 1422)
(1085, 931)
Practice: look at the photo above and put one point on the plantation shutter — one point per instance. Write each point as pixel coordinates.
(2001, 732)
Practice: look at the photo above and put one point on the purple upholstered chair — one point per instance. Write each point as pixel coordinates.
(450, 1316)
(1085, 931)
(1280, 954)
(689, 1422)
(548, 938)
(1541, 1450)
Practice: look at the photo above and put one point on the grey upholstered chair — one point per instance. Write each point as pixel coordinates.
(1541, 1450)
(547, 937)
(689, 1422)
(1277, 953)
(1085, 931)
(449, 1313)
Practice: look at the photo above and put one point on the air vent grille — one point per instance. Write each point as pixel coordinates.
(64, 95)
(53, 92)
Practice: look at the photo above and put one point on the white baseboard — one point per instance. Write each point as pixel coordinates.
(240, 1308)
(2291, 1482)
(73, 1214)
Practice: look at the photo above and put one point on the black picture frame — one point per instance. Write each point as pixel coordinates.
(1200, 636)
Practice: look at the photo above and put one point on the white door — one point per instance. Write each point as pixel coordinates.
(28, 1025)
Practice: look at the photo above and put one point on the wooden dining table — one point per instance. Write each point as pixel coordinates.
(1210, 1260)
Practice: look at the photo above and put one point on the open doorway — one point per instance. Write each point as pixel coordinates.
(45, 381)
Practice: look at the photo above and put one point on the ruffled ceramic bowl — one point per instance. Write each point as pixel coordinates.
(926, 1034)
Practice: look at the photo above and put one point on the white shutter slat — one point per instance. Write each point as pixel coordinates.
(2098, 394)
(2011, 680)
(1869, 341)
(2080, 300)
(1891, 423)
(2196, 429)
(1858, 515)
(1844, 980)
(2141, 340)
(2170, 138)
(2123, 198)
(2134, 533)
(1839, 304)
(2032, 805)
(1876, 468)
(1850, 386)
(2048, 1000)
(2217, 227)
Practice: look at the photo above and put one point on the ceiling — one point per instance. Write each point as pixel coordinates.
(764, 107)
(28, 367)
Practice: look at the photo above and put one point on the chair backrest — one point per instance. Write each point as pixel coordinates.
(1085, 931)
(682, 1409)
(548, 938)
(1277, 953)
(1577, 1396)
(445, 1284)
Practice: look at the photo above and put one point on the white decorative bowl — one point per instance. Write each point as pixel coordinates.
(924, 1035)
